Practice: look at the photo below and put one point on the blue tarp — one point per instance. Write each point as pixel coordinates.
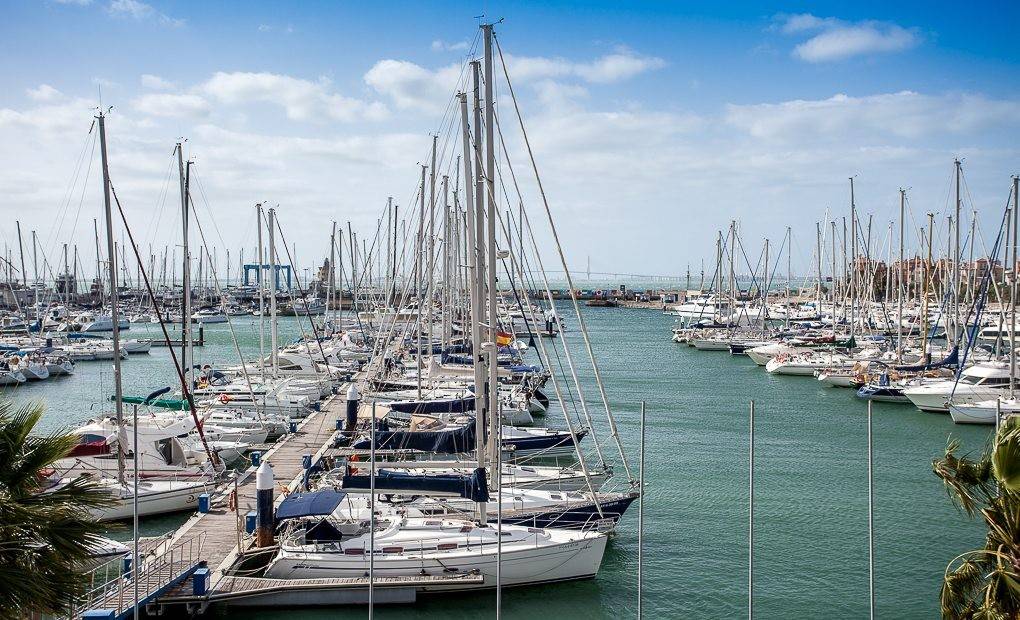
(473, 487)
(316, 504)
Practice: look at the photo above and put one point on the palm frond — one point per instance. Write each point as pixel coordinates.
(45, 534)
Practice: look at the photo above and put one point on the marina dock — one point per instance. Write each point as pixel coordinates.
(192, 567)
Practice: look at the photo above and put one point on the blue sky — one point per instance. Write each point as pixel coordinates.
(654, 124)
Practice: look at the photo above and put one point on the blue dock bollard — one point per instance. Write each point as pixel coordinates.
(306, 461)
(339, 424)
(200, 581)
(293, 426)
(256, 458)
(249, 522)
(203, 503)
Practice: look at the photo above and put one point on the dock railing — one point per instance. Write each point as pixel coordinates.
(160, 568)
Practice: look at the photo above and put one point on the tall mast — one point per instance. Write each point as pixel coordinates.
(765, 291)
(419, 276)
(733, 278)
(473, 292)
(447, 238)
(261, 282)
(114, 310)
(393, 259)
(956, 256)
(184, 175)
(432, 228)
(1013, 289)
(21, 253)
(67, 290)
(479, 241)
(388, 275)
(273, 334)
(899, 281)
(789, 273)
(35, 266)
(834, 280)
(971, 272)
(340, 264)
(853, 258)
(718, 275)
(490, 180)
(331, 292)
(924, 288)
(818, 257)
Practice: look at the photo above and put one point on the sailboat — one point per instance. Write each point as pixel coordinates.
(319, 539)
(989, 411)
(174, 476)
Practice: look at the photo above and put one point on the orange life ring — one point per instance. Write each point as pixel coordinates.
(224, 398)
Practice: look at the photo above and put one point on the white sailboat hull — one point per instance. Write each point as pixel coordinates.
(578, 559)
(154, 498)
(933, 398)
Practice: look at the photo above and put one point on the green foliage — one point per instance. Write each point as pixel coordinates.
(44, 536)
(985, 583)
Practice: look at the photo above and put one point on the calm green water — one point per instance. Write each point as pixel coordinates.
(811, 555)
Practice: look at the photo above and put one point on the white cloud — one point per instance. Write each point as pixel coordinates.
(803, 22)
(171, 105)
(904, 114)
(837, 39)
(442, 46)
(618, 66)
(609, 169)
(50, 118)
(412, 86)
(303, 100)
(44, 92)
(141, 11)
(288, 29)
(556, 94)
(154, 82)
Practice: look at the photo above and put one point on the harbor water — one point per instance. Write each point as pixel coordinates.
(811, 520)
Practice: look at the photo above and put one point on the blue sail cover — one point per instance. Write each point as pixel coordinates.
(447, 441)
(438, 405)
(315, 504)
(524, 368)
(952, 359)
(473, 487)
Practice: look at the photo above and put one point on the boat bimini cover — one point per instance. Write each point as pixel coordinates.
(314, 504)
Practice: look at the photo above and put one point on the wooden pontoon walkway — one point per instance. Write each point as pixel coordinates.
(215, 537)
(219, 536)
(223, 527)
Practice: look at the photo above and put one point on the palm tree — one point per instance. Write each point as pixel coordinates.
(985, 583)
(44, 537)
